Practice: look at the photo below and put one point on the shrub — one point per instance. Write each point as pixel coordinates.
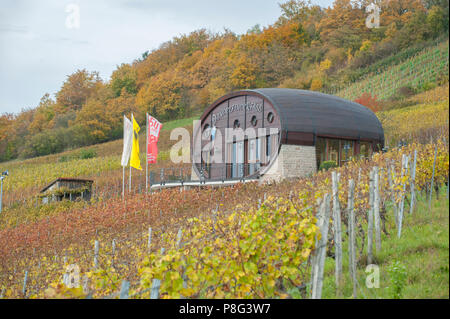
(43, 143)
(427, 86)
(369, 101)
(397, 273)
(327, 165)
(316, 85)
(90, 153)
(406, 91)
(63, 159)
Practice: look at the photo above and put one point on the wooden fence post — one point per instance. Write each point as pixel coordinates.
(337, 228)
(351, 235)
(321, 249)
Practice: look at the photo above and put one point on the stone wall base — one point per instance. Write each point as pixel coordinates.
(293, 161)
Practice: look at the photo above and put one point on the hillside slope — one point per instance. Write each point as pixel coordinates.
(425, 68)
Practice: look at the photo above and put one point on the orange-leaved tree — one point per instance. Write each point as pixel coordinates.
(369, 101)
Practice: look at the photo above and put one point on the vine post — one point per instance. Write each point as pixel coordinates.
(413, 181)
(321, 248)
(432, 178)
(402, 195)
(376, 208)
(124, 290)
(156, 284)
(370, 222)
(96, 249)
(351, 235)
(337, 228)
(149, 240)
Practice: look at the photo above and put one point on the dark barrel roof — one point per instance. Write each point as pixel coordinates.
(322, 114)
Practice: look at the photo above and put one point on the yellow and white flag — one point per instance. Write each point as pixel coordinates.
(127, 140)
(135, 161)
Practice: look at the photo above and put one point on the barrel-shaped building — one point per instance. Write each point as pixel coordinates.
(276, 133)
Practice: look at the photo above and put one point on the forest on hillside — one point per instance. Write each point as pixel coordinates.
(308, 47)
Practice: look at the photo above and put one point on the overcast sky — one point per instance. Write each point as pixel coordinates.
(40, 43)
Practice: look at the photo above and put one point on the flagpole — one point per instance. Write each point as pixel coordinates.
(123, 182)
(129, 185)
(146, 153)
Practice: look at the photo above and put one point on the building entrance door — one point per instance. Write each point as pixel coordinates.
(254, 155)
(237, 160)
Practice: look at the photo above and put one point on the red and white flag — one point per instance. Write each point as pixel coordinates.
(153, 129)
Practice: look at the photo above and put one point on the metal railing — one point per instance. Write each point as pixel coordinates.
(207, 172)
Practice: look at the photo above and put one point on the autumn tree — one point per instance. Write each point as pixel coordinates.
(243, 76)
(369, 101)
(78, 87)
(6, 145)
(294, 11)
(170, 53)
(124, 77)
(399, 11)
(162, 96)
(43, 115)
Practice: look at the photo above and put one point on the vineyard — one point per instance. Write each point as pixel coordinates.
(245, 241)
(209, 243)
(430, 65)
(370, 222)
(415, 123)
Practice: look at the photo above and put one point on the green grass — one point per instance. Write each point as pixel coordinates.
(178, 123)
(423, 249)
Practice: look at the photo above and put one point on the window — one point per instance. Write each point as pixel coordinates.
(270, 117)
(333, 150)
(268, 148)
(236, 124)
(321, 150)
(237, 164)
(254, 120)
(254, 155)
(365, 150)
(206, 132)
(346, 151)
